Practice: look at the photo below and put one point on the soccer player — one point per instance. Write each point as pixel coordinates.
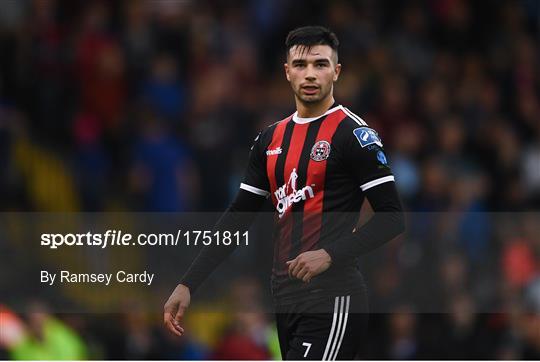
(317, 166)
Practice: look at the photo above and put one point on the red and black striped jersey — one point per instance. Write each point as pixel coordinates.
(316, 171)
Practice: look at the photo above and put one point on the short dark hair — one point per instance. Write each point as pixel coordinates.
(309, 36)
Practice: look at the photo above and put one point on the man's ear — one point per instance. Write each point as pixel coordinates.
(286, 67)
(337, 72)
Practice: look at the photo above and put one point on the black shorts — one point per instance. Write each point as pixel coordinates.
(326, 329)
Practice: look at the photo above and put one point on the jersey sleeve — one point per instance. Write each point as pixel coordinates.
(255, 179)
(365, 158)
(238, 217)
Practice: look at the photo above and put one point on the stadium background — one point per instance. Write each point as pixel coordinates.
(152, 105)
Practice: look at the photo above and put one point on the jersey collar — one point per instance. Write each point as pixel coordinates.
(301, 120)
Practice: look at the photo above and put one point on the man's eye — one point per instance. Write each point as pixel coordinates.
(299, 65)
(321, 65)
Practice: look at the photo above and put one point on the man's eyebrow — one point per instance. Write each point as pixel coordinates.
(318, 60)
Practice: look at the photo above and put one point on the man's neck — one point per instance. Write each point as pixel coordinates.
(309, 110)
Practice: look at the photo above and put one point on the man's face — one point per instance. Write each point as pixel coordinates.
(312, 74)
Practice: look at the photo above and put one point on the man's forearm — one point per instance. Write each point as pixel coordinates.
(238, 216)
(387, 223)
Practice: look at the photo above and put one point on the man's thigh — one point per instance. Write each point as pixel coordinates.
(328, 336)
(284, 329)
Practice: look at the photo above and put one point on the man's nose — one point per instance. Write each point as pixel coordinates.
(310, 73)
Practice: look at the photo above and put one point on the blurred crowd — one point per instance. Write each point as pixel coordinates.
(151, 105)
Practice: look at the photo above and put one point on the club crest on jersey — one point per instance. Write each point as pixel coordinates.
(367, 136)
(287, 195)
(320, 151)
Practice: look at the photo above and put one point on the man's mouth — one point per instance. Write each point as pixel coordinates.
(310, 89)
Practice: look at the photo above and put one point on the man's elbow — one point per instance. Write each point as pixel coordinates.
(398, 223)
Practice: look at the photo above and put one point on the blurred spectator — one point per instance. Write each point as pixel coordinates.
(248, 335)
(435, 186)
(404, 166)
(163, 91)
(245, 340)
(519, 261)
(162, 173)
(12, 331)
(100, 67)
(403, 340)
(92, 163)
(138, 41)
(531, 168)
(47, 338)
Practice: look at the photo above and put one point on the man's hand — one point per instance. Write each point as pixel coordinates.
(174, 309)
(309, 264)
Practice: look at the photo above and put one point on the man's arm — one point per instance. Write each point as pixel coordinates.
(386, 223)
(238, 216)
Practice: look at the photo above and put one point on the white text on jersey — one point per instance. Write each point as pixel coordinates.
(275, 151)
(287, 195)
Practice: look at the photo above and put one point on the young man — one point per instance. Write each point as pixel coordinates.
(317, 166)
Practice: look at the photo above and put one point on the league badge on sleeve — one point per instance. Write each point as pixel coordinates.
(367, 136)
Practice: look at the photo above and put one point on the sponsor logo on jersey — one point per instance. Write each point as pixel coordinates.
(320, 151)
(367, 136)
(287, 195)
(275, 151)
